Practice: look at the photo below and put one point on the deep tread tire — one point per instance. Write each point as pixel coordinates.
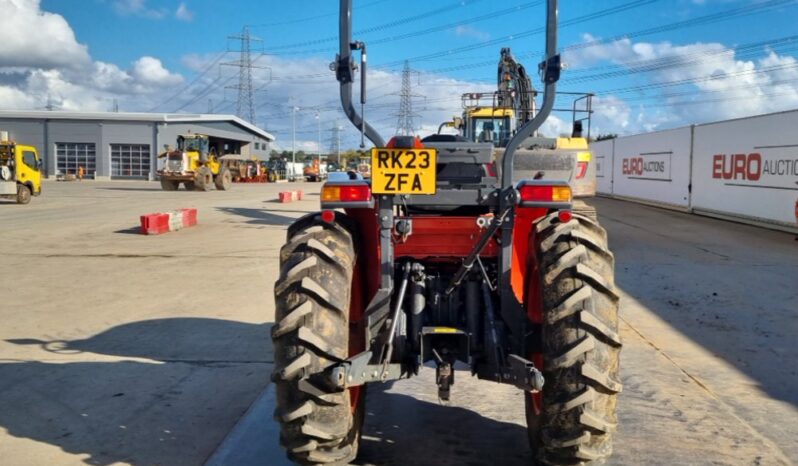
(312, 332)
(583, 208)
(169, 185)
(223, 180)
(23, 194)
(203, 180)
(189, 185)
(581, 345)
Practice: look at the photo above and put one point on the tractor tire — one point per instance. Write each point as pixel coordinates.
(169, 185)
(318, 425)
(583, 208)
(575, 419)
(23, 194)
(223, 180)
(203, 180)
(189, 185)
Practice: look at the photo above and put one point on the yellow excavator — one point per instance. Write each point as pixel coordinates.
(195, 164)
(495, 117)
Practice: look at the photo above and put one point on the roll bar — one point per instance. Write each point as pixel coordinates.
(344, 68)
(551, 68)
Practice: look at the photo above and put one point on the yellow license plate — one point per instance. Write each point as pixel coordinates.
(403, 171)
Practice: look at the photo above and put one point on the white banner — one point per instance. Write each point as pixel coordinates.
(654, 167)
(748, 167)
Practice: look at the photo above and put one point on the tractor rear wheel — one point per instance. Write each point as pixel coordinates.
(203, 180)
(318, 424)
(574, 420)
(169, 185)
(23, 194)
(583, 208)
(223, 179)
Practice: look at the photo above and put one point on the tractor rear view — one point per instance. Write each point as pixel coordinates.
(443, 256)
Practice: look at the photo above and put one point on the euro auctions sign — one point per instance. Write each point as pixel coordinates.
(767, 177)
(648, 166)
(767, 168)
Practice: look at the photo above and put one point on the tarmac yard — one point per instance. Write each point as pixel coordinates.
(118, 348)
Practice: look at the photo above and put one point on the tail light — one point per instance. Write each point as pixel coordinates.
(346, 194)
(490, 168)
(540, 193)
(543, 193)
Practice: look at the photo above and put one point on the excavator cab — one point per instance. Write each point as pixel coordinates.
(493, 125)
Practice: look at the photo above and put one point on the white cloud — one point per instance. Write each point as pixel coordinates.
(54, 67)
(33, 38)
(711, 83)
(183, 13)
(150, 70)
(138, 8)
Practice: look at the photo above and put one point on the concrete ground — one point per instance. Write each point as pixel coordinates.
(117, 348)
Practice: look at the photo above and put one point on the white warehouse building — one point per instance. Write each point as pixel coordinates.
(116, 145)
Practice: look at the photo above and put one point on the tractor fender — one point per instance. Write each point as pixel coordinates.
(342, 220)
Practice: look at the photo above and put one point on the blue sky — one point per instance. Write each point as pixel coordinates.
(165, 55)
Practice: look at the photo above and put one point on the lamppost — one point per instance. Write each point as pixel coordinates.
(318, 120)
(293, 143)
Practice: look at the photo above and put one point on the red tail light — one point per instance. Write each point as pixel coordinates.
(545, 193)
(491, 169)
(346, 193)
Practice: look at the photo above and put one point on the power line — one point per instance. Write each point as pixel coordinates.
(204, 92)
(388, 25)
(701, 20)
(184, 88)
(311, 18)
(663, 84)
(526, 33)
(420, 32)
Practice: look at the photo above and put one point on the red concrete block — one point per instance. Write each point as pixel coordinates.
(154, 224)
(299, 195)
(189, 217)
(286, 196)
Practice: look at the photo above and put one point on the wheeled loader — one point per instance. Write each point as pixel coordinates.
(195, 164)
(453, 251)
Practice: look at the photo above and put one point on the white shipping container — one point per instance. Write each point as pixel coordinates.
(653, 167)
(748, 168)
(602, 156)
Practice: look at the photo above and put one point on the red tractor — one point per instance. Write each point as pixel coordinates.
(439, 258)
